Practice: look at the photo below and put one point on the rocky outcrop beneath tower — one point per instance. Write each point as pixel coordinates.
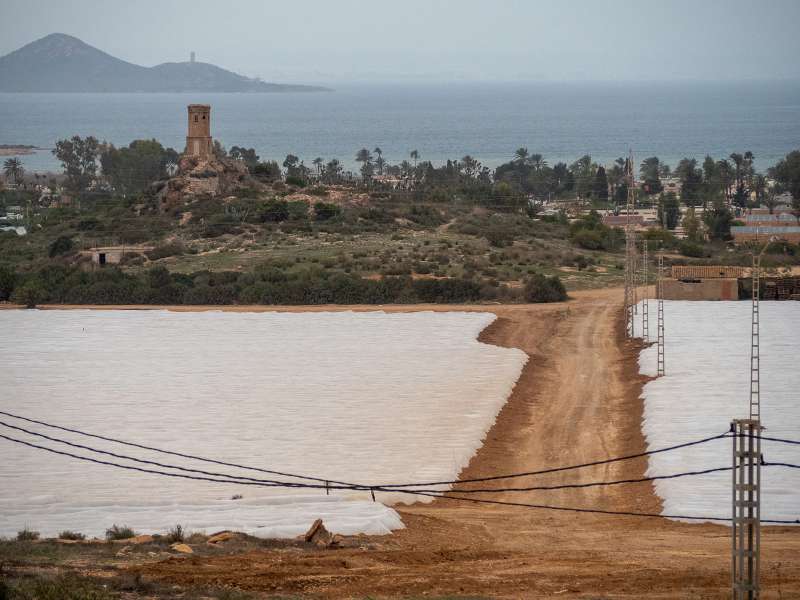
(203, 177)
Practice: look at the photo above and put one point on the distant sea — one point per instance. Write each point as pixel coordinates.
(562, 121)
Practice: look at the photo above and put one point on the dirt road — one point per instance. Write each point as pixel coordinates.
(578, 400)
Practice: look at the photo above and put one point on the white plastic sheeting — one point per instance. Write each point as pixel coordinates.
(706, 386)
(367, 397)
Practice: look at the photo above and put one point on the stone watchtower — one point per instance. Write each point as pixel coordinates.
(198, 140)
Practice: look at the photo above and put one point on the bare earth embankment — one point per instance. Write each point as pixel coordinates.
(577, 400)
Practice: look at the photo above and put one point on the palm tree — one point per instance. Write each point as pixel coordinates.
(379, 162)
(538, 162)
(365, 158)
(333, 169)
(414, 156)
(521, 155)
(317, 162)
(13, 169)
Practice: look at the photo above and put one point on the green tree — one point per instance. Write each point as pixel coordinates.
(78, 156)
(583, 170)
(521, 155)
(29, 294)
(650, 172)
(132, 169)
(691, 181)
(414, 154)
(268, 171)
(718, 221)
(333, 170)
(539, 288)
(246, 155)
(13, 169)
(600, 185)
(787, 175)
(8, 280)
(691, 226)
(380, 163)
(61, 245)
(669, 211)
(364, 156)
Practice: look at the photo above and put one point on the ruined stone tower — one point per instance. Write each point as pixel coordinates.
(198, 140)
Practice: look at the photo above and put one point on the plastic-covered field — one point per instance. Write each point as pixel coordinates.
(707, 384)
(365, 397)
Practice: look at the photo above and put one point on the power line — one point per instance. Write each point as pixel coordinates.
(362, 486)
(392, 486)
(432, 494)
(571, 467)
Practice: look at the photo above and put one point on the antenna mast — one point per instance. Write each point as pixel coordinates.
(630, 251)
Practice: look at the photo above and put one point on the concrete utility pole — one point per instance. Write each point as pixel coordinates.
(630, 252)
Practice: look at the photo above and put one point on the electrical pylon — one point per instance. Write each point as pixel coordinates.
(755, 349)
(630, 251)
(660, 294)
(645, 306)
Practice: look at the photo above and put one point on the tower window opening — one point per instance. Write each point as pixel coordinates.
(195, 118)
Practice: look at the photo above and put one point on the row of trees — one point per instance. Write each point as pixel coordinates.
(58, 283)
(131, 169)
(128, 169)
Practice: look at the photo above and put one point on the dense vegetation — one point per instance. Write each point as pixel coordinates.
(392, 233)
(265, 285)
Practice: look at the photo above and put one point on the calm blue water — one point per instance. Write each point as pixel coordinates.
(489, 121)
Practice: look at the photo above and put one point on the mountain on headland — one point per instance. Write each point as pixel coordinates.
(62, 63)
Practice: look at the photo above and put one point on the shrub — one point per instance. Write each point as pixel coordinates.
(294, 180)
(539, 288)
(27, 535)
(175, 535)
(116, 532)
(324, 211)
(588, 238)
(63, 587)
(71, 535)
(62, 245)
(274, 211)
(499, 236)
(297, 210)
(8, 280)
(29, 294)
(165, 250)
(317, 190)
(267, 171)
(692, 249)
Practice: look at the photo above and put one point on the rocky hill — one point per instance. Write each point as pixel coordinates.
(62, 63)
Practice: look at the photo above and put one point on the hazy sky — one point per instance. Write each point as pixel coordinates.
(319, 41)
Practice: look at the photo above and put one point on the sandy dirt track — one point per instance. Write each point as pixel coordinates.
(577, 400)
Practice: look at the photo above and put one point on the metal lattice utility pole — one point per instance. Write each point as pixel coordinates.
(630, 251)
(746, 521)
(747, 459)
(755, 350)
(645, 306)
(660, 295)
